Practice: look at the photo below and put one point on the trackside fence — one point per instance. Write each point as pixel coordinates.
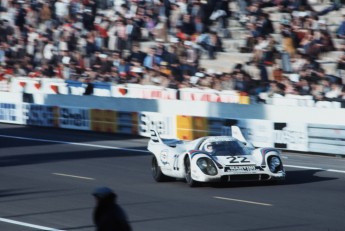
(295, 135)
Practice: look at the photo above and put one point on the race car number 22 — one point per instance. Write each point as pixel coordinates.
(236, 159)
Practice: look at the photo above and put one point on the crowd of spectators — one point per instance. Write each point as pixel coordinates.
(101, 40)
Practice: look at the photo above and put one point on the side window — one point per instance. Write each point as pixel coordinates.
(208, 147)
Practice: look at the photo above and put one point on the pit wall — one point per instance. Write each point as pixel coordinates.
(319, 130)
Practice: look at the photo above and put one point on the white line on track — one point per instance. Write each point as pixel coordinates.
(243, 201)
(28, 225)
(74, 143)
(313, 168)
(73, 176)
(142, 151)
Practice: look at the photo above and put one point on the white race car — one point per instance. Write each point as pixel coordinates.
(213, 158)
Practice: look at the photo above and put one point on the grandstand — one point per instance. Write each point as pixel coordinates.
(265, 85)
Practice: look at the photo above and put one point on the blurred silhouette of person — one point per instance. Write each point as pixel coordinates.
(107, 214)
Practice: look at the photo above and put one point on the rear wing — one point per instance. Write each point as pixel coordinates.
(155, 136)
(236, 133)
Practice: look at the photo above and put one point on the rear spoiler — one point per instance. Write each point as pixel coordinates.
(155, 136)
(236, 133)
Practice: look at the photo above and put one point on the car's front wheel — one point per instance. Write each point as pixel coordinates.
(157, 173)
(188, 173)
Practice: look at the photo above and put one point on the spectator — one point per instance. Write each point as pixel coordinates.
(270, 52)
(20, 18)
(121, 34)
(69, 39)
(265, 25)
(289, 39)
(199, 25)
(334, 7)
(317, 91)
(303, 87)
(133, 32)
(88, 19)
(2, 54)
(161, 29)
(223, 24)
(190, 58)
(107, 214)
(211, 42)
(151, 60)
(136, 54)
(45, 14)
(175, 17)
(187, 26)
(341, 29)
(227, 82)
(242, 82)
(334, 92)
(251, 38)
(341, 97)
(259, 49)
(61, 10)
(254, 9)
(276, 88)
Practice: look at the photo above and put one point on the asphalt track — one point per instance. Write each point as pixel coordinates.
(47, 176)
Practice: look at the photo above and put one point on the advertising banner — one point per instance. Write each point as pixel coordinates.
(10, 113)
(191, 127)
(4, 85)
(103, 120)
(193, 94)
(75, 87)
(127, 122)
(53, 86)
(102, 89)
(326, 138)
(40, 115)
(291, 136)
(143, 92)
(27, 85)
(74, 118)
(165, 125)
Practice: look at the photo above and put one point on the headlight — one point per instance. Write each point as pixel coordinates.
(274, 164)
(207, 166)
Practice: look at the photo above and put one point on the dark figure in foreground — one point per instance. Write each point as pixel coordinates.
(108, 215)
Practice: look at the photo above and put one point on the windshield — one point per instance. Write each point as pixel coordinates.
(227, 148)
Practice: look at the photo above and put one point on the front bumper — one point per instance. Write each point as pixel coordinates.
(251, 177)
(226, 177)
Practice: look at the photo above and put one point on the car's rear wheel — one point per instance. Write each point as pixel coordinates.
(189, 179)
(157, 173)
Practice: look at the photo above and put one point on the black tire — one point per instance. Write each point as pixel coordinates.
(189, 179)
(157, 173)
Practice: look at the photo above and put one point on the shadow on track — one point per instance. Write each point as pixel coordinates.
(305, 176)
(28, 159)
(167, 218)
(292, 178)
(11, 195)
(48, 133)
(19, 192)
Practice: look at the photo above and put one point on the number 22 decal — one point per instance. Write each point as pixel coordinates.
(235, 159)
